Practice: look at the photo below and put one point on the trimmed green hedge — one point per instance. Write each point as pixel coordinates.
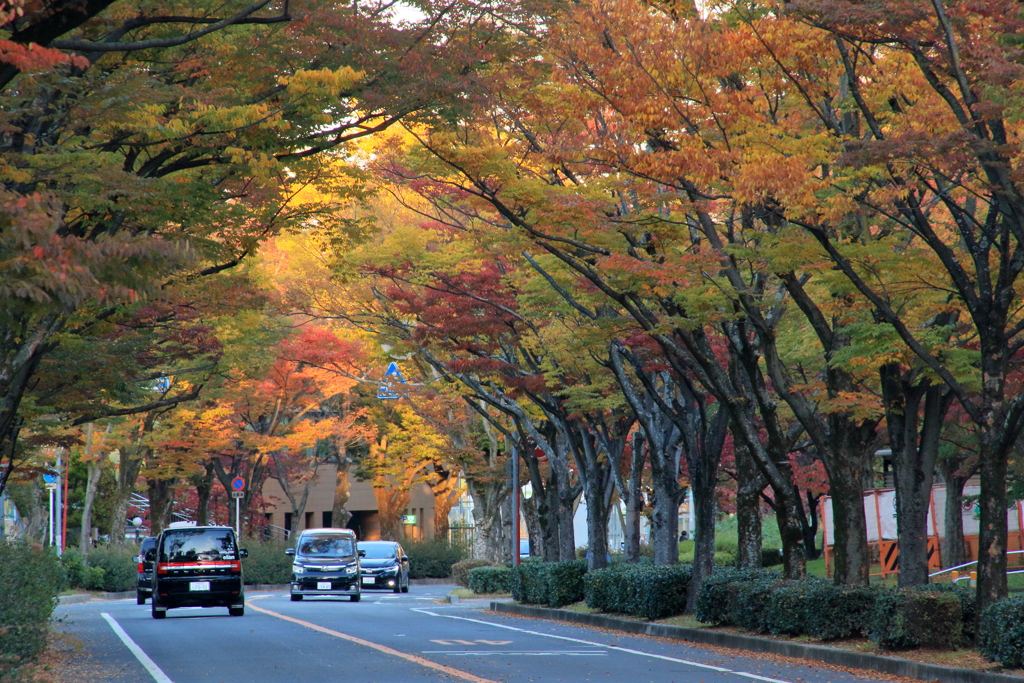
(433, 559)
(715, 596)
(906, 619)
(31, 578)
(490, 580)
(1001, 633)
(461, 569)
(639, 589)
(267, 563)
(838, 611)
(554, 584)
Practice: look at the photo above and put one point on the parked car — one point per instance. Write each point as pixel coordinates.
(325, 563)
(144, 579)
(198, 566)
(384, 565)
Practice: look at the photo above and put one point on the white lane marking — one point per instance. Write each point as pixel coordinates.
(158, 675)
(615, 647)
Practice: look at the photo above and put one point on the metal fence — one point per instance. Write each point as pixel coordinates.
(463, 534)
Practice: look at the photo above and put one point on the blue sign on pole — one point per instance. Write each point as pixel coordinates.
(385, 391)
(50, 478)
(394, 372)
(238, 484)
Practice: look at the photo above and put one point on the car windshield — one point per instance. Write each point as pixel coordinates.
(326, 545)
(383, 551)
(198, 545)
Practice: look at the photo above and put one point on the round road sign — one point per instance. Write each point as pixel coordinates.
(238, 484)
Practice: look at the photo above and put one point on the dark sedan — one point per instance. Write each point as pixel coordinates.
(385, 565)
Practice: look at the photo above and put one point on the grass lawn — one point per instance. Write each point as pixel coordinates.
(467, 594)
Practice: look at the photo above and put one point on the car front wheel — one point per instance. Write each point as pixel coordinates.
(405, 588)
(356, 597)
(296, 598)
(140, 598)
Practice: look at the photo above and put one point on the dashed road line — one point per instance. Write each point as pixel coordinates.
(641, 653)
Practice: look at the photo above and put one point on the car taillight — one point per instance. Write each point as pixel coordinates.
(162, 569)
(140, 567)
(236, 565)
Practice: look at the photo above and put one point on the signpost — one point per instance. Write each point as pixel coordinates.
(50, 481)
(238, 492)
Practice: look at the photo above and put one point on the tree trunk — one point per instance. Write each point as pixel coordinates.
(533, 530)
(635, 501)
(992, 530)
(852, 562)
(128, 469)
(665, 520)
(161, 501)
(598, 509)
(204, 487)
(749, 484)
(811, 549)
(94, 468)
(954, 547)
(340, 515)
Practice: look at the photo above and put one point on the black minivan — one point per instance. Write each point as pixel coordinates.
(144, 579)
(198, 566)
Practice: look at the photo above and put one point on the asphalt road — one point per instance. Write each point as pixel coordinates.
(386, 638)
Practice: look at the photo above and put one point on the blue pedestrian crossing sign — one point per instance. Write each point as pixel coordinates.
(385, 390)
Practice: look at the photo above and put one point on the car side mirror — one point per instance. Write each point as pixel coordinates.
(289, 551)
(243, 553)
(362, 553)
(136, 558)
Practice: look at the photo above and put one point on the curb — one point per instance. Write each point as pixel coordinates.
(819, 653)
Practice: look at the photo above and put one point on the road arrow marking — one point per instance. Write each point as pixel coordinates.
(494, 642)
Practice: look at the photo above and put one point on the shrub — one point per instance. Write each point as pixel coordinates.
(461, 569)
(433, 558)
(602, 588)
(31, 578)
(1001, 633)
(713, 597)
(118, 573)
(968, 605)
(907, 619)
(839, 611)
(771, 557)
(639, 589)
(529, 583)
(748, 602)
(565, 582)
(490, 579)
(267, 563)
(789, 605)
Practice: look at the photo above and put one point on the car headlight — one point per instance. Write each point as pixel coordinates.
(351, 569)
(298, 568)
(391, 570)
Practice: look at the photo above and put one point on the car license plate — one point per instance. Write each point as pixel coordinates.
(199, 586)
(370, 580)
(323, 585)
